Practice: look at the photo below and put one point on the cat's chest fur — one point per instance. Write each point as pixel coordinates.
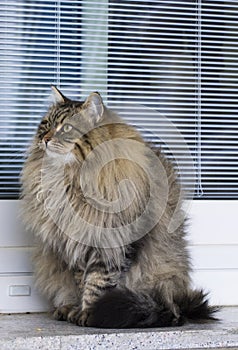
(63, 220)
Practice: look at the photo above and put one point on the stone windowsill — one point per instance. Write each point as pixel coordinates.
(39, 331)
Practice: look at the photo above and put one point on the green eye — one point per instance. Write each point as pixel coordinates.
(67, 128)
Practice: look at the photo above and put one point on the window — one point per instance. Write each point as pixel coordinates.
(39, 46)
(170, 66)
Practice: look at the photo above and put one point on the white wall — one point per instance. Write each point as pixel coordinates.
(213, 237)
(214, 248)
(15, 263)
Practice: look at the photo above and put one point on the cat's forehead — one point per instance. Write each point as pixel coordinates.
(70, 111)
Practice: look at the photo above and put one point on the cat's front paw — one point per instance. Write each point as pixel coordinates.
(61, 313)
(78, 316)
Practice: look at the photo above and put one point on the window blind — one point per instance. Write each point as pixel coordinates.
(169, 67)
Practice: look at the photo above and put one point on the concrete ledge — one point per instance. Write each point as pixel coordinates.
(40, 332)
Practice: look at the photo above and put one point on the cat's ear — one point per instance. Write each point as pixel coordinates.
(57, 95)
(94, 107)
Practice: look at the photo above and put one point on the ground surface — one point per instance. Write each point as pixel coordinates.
(40, 332)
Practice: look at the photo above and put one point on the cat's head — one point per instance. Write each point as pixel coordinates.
(64, 129)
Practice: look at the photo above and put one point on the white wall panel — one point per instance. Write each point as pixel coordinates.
(12, 232)
(221, 285)
(15, 259)
(18, 303)
(213, 221)
(214, 256)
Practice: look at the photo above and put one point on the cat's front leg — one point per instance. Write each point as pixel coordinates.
(96, 283)
(61, 313)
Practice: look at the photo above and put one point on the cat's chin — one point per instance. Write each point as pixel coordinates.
(60, 157)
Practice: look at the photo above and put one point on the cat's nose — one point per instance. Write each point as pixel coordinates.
(46, 139)
(48, 136)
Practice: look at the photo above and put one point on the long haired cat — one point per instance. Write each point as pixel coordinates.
(105, 208)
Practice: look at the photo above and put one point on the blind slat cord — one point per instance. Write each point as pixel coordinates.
(199, 189)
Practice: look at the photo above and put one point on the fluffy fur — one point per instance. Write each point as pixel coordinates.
(105, 209)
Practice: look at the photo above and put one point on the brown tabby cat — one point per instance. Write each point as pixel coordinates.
(105, 209)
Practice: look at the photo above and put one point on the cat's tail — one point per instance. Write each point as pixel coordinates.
(194, 306)
(126, 309)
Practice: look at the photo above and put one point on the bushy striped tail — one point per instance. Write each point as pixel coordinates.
(126, 309)
(194, 306)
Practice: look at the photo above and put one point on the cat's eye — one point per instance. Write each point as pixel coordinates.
(67, 128)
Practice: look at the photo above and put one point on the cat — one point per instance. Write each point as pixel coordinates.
(100, 201)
